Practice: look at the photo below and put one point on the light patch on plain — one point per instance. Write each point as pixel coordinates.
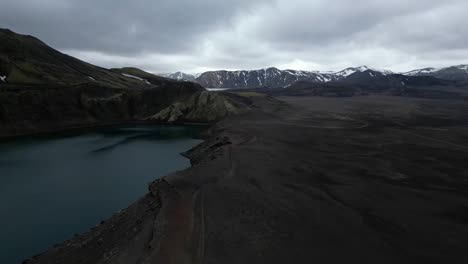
(91, 78)
(3, 78)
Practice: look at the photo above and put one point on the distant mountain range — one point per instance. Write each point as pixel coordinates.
(454, 73)
(273, 77)
(373, 82)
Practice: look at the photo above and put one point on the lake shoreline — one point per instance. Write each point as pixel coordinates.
(282, 185)
(79, 178)
(77, 128)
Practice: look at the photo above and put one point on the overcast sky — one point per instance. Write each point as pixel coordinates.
(198, 35)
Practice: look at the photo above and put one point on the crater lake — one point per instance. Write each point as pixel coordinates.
(55, 186)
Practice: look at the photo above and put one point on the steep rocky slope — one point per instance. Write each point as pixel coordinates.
(204, 107)
(38, 109)
(43, 90)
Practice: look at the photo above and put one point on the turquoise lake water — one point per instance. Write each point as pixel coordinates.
(52, 187)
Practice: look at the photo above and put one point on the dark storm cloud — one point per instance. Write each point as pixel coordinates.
(119, 26)
(193, 35)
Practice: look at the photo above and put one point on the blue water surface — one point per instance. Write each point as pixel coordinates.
(52, 187)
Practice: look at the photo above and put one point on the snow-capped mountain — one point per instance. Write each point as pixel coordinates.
(273, 77)
(180, 76)
(377, 79)
(453, 73)
(419, 72)
(270, 77)
(349, 71)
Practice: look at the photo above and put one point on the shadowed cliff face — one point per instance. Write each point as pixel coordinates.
(204, 107)
(32, 110)
(39, 109)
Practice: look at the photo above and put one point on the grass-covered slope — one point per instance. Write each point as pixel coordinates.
(25, 60)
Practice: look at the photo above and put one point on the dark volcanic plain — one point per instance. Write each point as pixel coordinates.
(365, 179)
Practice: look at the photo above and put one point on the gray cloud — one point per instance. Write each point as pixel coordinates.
(191, 35)
(119, 26)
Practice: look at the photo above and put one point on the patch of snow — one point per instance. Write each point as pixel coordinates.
(363, 68)
(382, 71)
(136, 77)
(463, 67)
(164, 74)
(432, 70)
(132, 76)
(346, 72)
(259, 81)
(326, 78)
(322, 78)
(3, 78)
(372, 74)
(429, 70)
(411, 73)
(403, 83)
(421, 71)
(385, 72)
(91, 78)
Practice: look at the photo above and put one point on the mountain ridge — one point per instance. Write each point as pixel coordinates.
(454, 73)
(273, 77)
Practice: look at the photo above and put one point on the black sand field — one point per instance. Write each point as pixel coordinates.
(369, 179)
